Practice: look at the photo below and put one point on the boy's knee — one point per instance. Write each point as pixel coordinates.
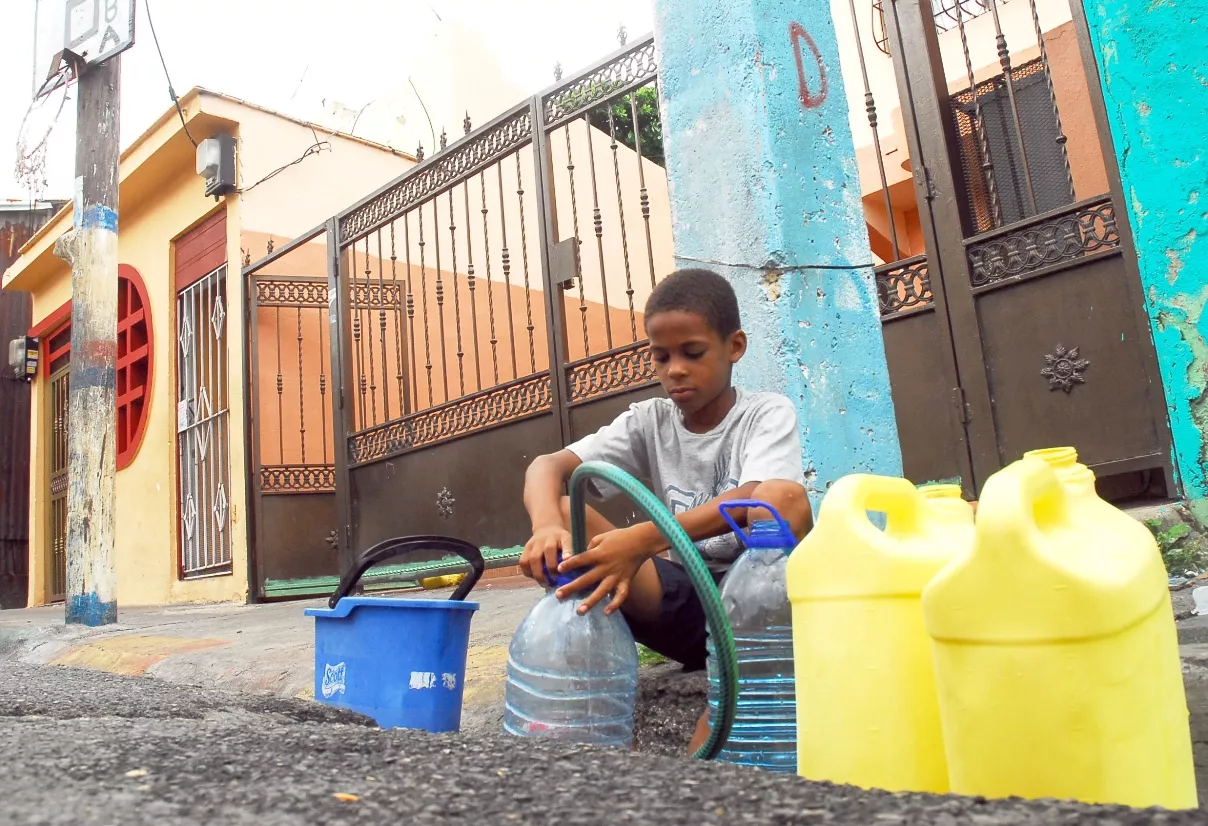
(790, 501)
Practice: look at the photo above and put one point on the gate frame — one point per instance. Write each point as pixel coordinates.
(1115, 188)
(621, 371)
(622, 72)
(915, 51)
(254, 523)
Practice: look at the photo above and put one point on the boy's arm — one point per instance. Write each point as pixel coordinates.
(702, 522)
(617, 555)
(543, 485)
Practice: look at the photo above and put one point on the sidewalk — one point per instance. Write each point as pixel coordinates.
(266, 648)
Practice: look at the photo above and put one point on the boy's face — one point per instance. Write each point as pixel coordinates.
(692, 361)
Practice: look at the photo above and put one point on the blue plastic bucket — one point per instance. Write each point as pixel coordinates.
(401, 662)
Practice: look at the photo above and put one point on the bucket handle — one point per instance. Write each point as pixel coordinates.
(402, 545)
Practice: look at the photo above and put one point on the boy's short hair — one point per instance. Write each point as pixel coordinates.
(698, 291)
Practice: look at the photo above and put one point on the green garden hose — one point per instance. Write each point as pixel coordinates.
(719, 625)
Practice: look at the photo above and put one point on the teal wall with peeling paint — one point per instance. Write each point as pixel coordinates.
(1153, 66)
(764, 189)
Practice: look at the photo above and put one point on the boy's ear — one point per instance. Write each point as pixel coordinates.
(738, 346)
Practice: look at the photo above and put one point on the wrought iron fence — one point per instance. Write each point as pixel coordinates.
(1058, 237)
(458, 305)
(445, 278)
(606, 147)
(948, 14)
(1013, 149)
(290, 369)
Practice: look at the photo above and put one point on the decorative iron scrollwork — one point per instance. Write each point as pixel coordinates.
(611, 372)
(278, 479)
(903, 286)
(1086, 228)
(499, 405)
(445, 503)
(286, 293)
(376, 296)
(426, 180)
(1063, 368)
(583, 93)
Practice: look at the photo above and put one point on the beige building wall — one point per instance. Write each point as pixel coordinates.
(162, 199)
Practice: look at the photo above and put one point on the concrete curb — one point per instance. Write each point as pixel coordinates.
(259, 649)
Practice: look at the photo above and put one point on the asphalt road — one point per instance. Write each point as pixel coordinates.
(89, 748)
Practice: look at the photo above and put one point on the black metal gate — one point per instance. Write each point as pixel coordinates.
(445, 404)
(483, 308)
(292, 451)
(1011, 307)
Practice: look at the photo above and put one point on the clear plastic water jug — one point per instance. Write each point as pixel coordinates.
(756, 600)
(570, 677)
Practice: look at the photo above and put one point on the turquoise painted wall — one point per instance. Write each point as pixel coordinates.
(1153, 66)
(765, 190)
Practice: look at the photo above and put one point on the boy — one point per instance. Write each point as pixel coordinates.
(707, 443)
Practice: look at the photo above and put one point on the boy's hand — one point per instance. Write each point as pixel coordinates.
(615, 558)
(545, 546)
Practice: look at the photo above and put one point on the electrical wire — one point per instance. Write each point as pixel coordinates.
(168, 77)
(313, 149)
(431, 127)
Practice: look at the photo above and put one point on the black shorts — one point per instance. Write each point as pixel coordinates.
(680, 631)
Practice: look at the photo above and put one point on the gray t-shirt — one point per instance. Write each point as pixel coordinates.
(756, 442)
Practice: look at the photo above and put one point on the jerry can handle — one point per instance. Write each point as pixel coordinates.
(401, 546)
(748, 504)
(852, 497)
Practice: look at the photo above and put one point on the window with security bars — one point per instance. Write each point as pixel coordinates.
(989, 140)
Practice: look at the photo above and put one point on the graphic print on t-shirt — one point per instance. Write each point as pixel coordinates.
(679, 500)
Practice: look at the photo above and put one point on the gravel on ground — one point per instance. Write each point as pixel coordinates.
(89, 748)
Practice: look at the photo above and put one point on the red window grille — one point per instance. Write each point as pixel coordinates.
(135, 346)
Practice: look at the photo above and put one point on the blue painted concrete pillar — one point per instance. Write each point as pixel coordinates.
(765, 190)
(1153, 69)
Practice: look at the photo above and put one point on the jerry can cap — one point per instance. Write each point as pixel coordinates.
(764, 533)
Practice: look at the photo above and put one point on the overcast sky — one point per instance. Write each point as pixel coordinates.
(290, 55)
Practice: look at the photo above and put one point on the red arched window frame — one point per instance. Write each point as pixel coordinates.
(135, 351)
(135, 346)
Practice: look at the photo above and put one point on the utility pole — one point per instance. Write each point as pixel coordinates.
(91, 249)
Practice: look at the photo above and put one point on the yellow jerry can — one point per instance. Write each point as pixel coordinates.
(866, 704)
(1055, 647)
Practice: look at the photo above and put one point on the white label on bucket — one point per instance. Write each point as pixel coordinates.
(333, 679)
(423, 679)
(449, 680)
